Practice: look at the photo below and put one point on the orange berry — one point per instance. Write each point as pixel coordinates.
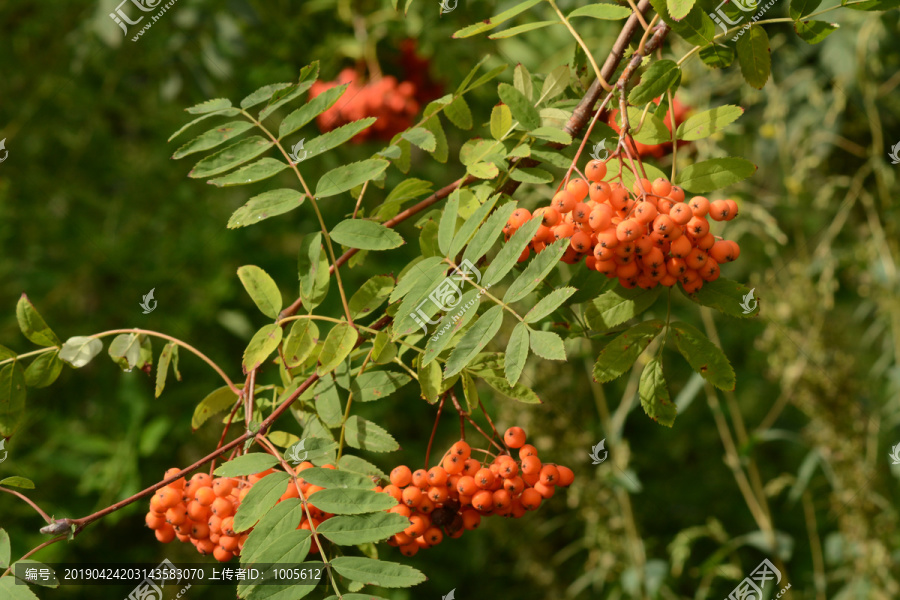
(664, 225)
(722, 251)
(197, 512)
(525, 254)
(222, 507)
(471, 519)
(437, 476)
(401, 476)
(177, 514)
(168, 497)
(420, 478)
(676, 267)
(222, 486)
(165, 534)
(618, 198)
(154, 521)
(433, 536)
(546, 491)
(466, 485)
(638, 184)
(484, 478)
(676, 195)
(531, 465)
(393, 491)
(437, 494)
(461, 449)
(205, 496)
(710, 271)
(426, 506)
(581, 213)
(412, 497)
(549, 475)
(681, 213)
(519, 217)
(732, 209)
(227, 526)
(471, 467)
(453, 464)
(645, 213)
(483, 500)
(417, 525)
(580, 242)
(566, 476)
(564, 202)
(697, 227)
(514, 437)
(221, 554)
(531, 499)
(699, 206)
(526, 450)
(595, 170)
(578, 188)
(549, 216)
(178, 483)
(695, 259)
(199, 531)
(600, 217)
(628, 230)
(205, 547)
(514, 486)
(409, 550)
(563, 230)
(661, 187)
(400, 509)
(719, 210)
(600, 192)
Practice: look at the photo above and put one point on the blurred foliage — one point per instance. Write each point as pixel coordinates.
(93, 215)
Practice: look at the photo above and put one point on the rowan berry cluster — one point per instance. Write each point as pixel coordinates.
(201, 511)
(392, 103)
(646, 238)
(453, 497)
(445, 500)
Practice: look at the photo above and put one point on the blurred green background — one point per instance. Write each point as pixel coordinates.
(93, 214)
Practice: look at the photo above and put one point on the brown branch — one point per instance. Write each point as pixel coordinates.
(44, 515)
(62, 524)
(585, 108)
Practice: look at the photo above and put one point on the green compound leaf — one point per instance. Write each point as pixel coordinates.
(654, 395)
(619, 355)
(377, 572)
(705, 358)
(264, 494)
